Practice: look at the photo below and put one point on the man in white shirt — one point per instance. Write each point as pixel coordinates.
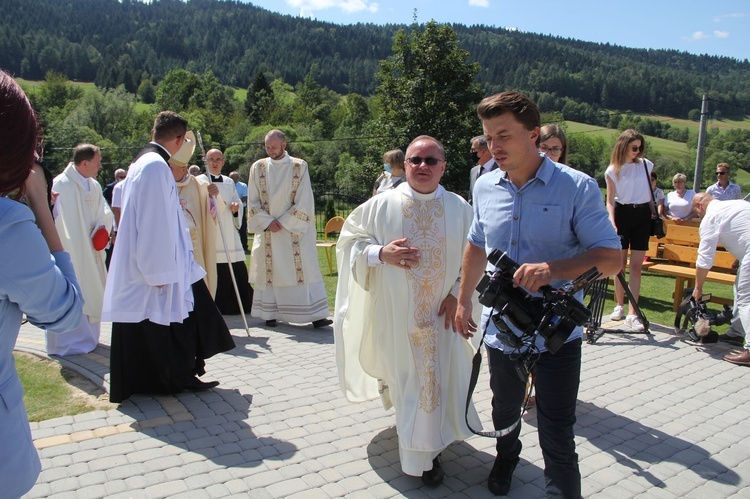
(726, 223)
(724, 190)
(81, 212)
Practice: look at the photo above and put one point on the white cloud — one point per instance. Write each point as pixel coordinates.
(734, 15)
(307, 8)
(479, 3)
(721, 34)
(698, 35)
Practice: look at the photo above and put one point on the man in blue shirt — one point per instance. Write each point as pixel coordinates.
(551, 220)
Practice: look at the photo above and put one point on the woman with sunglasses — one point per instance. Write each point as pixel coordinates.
(628, 204)
(553, 143)
(679, 202)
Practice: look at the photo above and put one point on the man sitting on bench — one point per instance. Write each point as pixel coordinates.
(726, 223)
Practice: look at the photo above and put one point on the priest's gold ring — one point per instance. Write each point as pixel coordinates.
(402, 262)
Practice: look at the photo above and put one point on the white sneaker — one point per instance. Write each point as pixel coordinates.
(634, 322)
(618, 313)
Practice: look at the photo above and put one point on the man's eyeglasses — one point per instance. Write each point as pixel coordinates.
(636, 148)
(418, 160)
(721, 173)
(553, 150)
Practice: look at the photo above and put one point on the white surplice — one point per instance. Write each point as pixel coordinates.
(284, 267)
(152, 267)
(229, 223)
(390, 341)
(81, 208)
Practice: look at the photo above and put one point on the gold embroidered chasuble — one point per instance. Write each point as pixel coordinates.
(284, 269)
(390, 341)
(195, 205)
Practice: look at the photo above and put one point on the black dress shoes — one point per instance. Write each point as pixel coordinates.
(501, 475)
(434, 477)
(322, 323)
(196, 385)
(271, 323)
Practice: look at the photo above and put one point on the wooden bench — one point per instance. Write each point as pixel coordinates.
(676, 256)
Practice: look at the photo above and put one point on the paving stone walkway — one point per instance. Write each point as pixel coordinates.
(657, 417)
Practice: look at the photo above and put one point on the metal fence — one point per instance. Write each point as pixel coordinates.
(332, 202)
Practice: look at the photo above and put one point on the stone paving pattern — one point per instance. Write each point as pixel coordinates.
(658, 417)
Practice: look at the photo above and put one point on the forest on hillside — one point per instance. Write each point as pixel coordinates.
(342, 137)
(136, 44)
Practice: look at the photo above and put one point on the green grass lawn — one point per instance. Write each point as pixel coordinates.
(656, 298)
(666, 147)
(723, 124)
(47, 391)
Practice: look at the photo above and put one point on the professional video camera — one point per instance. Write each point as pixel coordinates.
(696, 315)
(554, 315)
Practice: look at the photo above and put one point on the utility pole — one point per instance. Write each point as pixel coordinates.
(701, 145)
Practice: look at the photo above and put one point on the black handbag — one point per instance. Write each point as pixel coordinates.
(657, 224)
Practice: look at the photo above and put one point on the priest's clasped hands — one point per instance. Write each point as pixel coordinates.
(399, 253)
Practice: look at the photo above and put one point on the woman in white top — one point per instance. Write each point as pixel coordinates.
(628, 200)
(679, 202)
(394, 172)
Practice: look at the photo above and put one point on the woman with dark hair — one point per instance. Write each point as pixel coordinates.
(629, 206)
(32, 281)
(553, 143)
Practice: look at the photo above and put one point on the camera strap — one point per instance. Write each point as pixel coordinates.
(476, 364)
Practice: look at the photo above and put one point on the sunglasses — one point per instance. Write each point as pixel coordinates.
(418, 160)
(721, 173)
(636, 148)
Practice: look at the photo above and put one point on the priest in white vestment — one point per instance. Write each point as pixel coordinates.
(199, 210)
(399, 260)
(230, 216)
(284, 267)
(82, 210)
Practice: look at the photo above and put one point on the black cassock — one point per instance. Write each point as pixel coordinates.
(152, 358)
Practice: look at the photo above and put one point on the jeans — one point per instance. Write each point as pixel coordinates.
(557, 380)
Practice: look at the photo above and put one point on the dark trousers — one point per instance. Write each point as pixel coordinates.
(243, 231)
(557, 380)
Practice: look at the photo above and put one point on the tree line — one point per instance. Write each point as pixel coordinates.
(136, 44)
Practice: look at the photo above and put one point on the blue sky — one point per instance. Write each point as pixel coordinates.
(715, 27)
